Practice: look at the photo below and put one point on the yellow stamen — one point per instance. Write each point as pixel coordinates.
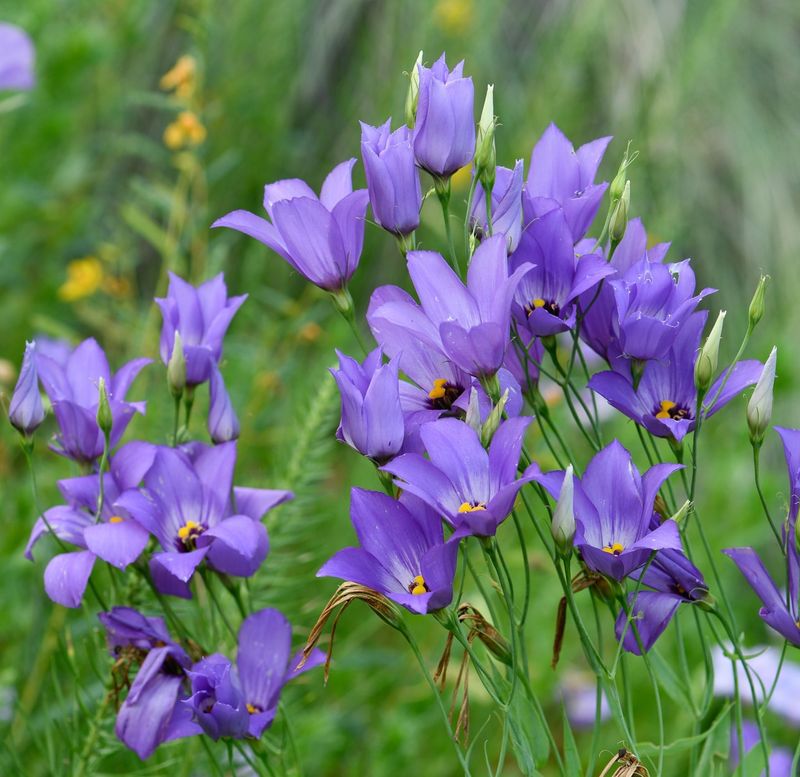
(538, 302)
(185, 531)
(419, 586)
(252, 709)
(615, 549)
(116, 519)
(666, 406)
(438, 391)
(466, 507)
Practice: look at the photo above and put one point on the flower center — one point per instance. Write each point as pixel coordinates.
(116, 519)
(615, 548)
(188, 534)
(551, 306)
(443, 394)
(669, 409)
(418, 586)
(471, 507)
(254, 709)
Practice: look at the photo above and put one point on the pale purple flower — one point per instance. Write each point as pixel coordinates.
(16, 58)
(506, 206)
(321, 237)
(26, 411)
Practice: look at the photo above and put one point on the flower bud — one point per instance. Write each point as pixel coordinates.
(617, 187)
(176, 368)
(706, 365)
(681, 513)
(485, 155)
(759, 407)
(223, 425)
(619, 218)
(26, 411)
(563, 526)
(104, 416)
(412, 96)
(756, 309)
(473, 418)
(493, 421)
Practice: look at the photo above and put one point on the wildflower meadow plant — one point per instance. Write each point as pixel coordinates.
(485, 411)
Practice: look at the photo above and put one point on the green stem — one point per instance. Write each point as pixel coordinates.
(443, 193)
(756, 471)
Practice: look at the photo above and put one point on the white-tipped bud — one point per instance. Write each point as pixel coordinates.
(473, 418)
(619, 218)
(494, 420)
(563, 526)
(412, 96)
(176, 368)
(759, 408)
(681, 512)
(485, 155)
(707, 360)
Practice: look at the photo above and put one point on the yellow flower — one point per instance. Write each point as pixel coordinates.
(181, 77)
(310, 332)
(454, 16)
(461, 178)
(186, 130)
(84, 278)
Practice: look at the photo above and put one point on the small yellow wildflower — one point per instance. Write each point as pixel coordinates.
(454, 16)
(182, 77)
(84, 277)
(461, 178)
(310, 332)
(186, 130)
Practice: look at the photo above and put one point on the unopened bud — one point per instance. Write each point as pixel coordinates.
(619, 218)
(473, 418)
(706, 365)
(491, 638)
(485, 155)
(681, 513)
(563, 526)
(617, 187)
(493, 421)
(26, 411)
(412, 96)
(176, 368)
(104, 417)
(756, 310)
(759, 408)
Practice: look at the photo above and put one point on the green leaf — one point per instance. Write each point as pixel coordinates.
(685, 743)
(718, 743)
(753, 762)
(674, 685)
(528, 735)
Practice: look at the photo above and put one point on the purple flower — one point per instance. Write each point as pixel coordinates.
(673, 581)
(186, 504)
(783, 618)
(112, 536)
(217, 700)
(321, 237)
(545, 297)
(791, 450)
(26, 412)
(506, 206)
(402, 552)
(265, 664)
(372, 420)
(473, 321)
(152, 712)
(202, 315)
(392, 177)
(72, 387)
(223, 425)
(653, 301)
(665, 401)
(16, 58)
(472, 489)
(780, 758)
(559, 175)
(444, 132)
(599, 306)
(613, 511)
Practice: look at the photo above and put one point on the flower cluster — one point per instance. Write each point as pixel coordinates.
(164, 514)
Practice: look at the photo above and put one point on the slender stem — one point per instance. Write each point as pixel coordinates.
(489, 227)
(176, 420)
(217, 604)
(445, 717)
(443, 192)
(756, 472)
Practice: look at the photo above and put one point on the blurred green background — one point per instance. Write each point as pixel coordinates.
(95, 207)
